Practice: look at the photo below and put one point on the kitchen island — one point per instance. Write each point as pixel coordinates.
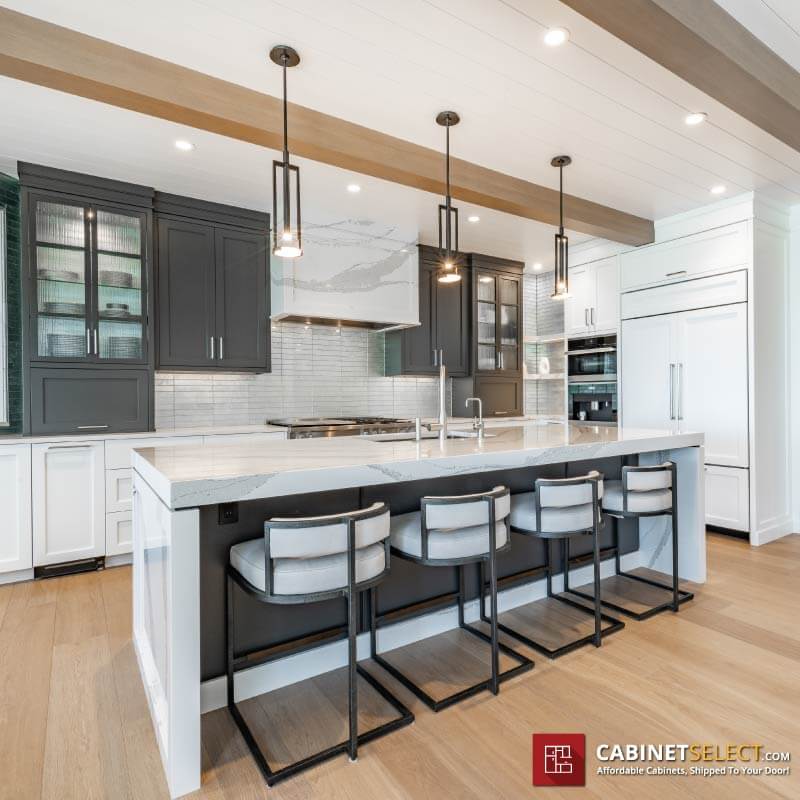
(191, 505)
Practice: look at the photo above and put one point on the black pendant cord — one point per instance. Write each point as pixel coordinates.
(286, 215)
(447, 201)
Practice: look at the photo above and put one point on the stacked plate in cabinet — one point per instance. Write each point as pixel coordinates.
(124, 347)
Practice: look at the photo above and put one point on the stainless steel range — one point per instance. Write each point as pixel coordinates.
(320, 427)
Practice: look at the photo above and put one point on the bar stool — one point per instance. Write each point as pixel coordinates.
(308, 560)
(644, 492)
(556, 510)
(455, 531)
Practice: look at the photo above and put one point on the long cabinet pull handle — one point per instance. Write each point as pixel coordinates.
(672, 391)
(677, 272)
(680, 391)
(592, 317)
(435, 357)
(586, 317)
(88, 342)
(221, 349)
(211, 339)
(96, 348)
(92, 427)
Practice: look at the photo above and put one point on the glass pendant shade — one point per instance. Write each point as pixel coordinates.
(287, 234)
(448, 215)
(561, 271)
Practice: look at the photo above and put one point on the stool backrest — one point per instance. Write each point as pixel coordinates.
(580, 494)
(310, 537)
(456, 512)
(648, 479)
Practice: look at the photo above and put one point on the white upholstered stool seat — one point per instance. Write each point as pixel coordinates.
(305, 575)
(443, 543)
(639, 502)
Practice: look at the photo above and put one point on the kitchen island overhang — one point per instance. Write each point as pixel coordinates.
(180, 547)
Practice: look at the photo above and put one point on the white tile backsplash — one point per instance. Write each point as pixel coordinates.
(315, 372)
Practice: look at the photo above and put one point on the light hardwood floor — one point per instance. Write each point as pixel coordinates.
(74, 721)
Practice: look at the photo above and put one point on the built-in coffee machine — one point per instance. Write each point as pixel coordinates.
(593, 406)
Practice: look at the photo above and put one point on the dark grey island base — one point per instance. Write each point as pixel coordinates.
(274, 631)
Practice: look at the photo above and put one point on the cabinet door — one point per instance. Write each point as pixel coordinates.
(419, 342)
(606, 305)
(580, 300)
(452, 323)
(727, 497)
(119, 533)
(60, 280)
(509, 329)
(68, 502)
(712, 391)
(15, 507)
(646, 353)
(186, 311)
(119, 285)
(487, 358)
(501, 397)
(242, 327)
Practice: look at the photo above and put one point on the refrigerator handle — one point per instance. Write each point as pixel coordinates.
(672, 391)
(680, 391)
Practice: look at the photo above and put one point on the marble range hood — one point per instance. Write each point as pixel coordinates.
(352, 272)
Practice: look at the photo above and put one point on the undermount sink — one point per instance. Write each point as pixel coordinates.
(427, 436)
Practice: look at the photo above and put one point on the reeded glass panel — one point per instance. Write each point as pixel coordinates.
(509, 358)
(486, 357)
(486, 288)
(119, 286)
(61, 280)
(487, 322)
(508, 324)
(508, 291)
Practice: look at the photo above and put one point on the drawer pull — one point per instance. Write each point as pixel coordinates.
(92, 427)
(679, 272)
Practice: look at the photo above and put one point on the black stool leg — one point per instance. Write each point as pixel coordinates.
(675, 588)
(495, 682)
(548, 554)
(373, 613)
(229, 636)
(597, 613)
(615, 530)
(565, 554)
(352, 655)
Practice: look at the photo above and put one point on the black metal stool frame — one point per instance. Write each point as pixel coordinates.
(350, 593)
(678, 595)
(599, 617)
(496, 677)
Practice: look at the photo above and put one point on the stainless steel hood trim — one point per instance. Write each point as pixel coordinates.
(371, 325)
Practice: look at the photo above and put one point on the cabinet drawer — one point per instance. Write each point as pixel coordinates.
(119, 533)
(727, 497)
(119, 485)
(89, 400)
(717, 250)
(118, 451)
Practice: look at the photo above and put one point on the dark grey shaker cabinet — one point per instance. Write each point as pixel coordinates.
(90, 400)
(213, 286)
(186, 294)
(444, 325)
(242, 299)
(501, 397)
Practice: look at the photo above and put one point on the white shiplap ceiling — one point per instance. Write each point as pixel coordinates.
(392, 66)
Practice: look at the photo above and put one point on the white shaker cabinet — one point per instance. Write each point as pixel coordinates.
(593, 303)
(15, 508)
(69, 494)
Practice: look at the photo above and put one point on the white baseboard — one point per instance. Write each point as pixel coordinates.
(301, 666)
(777, 530)
(122, 560)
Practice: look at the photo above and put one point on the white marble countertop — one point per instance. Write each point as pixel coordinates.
(207, 430)
(188, 476)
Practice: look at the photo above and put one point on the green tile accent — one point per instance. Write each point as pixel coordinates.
(10, 198)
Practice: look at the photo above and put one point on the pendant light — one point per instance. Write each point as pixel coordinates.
(561, 273)
(287, 241)
(448, 216)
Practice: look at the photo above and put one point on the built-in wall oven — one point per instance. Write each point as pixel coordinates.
(592, 360)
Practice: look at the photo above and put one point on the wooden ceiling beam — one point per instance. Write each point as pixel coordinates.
(700, 42)
(49, 55)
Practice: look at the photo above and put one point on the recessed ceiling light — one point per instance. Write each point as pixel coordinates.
(695, 118)
(719, 189)
(183, 144)
(556, 36)
(473, 218)
(537, 266)
(353, 188)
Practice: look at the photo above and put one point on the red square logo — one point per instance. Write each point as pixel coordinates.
(559, 759)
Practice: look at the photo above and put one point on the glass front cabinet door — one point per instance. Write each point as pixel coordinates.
(89, 282)
(498, 304)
